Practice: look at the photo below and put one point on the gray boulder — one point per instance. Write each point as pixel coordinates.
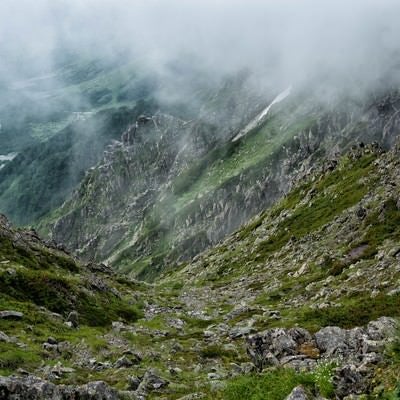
(332, 340)
(268, 347)
(133, 382)
(73, 318)
(298, 393)
(381, 328)
(350, 379)
(6, 338)
(357, 351)
(151, 381)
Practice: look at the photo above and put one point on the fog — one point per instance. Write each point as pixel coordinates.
(287, 41)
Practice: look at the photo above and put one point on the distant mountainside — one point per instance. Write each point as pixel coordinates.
(42, 176)
(58, 125)
(177, 186)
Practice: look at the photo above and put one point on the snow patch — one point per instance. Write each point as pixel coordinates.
(8, 157)
(260, 117)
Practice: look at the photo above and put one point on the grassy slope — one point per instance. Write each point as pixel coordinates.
(40, 281)
(313, 226)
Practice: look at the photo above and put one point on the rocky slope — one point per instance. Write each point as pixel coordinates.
(42, 176)
(59, 124)
(130, 190)
(305, 294)
(176, 187)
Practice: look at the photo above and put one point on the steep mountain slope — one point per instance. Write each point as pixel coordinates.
(54, 127)
(204, 180)
(326, 254)
(41, 177)
(328, 250)
(57, 126)
(155, 151)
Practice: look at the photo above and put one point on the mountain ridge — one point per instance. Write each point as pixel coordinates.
(217, 186)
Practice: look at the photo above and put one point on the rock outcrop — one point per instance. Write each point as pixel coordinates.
(356, 351)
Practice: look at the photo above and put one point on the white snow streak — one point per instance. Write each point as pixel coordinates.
(260, 117)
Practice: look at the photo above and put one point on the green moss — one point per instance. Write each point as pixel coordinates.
(13, 357)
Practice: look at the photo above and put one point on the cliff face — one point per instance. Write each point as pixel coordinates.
(171, 188)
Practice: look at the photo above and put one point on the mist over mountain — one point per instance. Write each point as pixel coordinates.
(287, 41)
(175, 49)
(199, 199)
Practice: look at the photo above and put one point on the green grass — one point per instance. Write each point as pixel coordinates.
(352, 312)
(338, 191)
(333, 193)
(274, 385)
(51, 280)
(381, 225)
(43, 259)
(278, 383)
(13, 357)
(232, 159)
(217, 351)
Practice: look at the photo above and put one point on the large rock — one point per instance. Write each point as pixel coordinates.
(357, 351)
(151, 381)
(298, 348)
(298, 393)
(123, 362)
(8, 314)
(350, 379)
(73, 318)
(332, 340)
(268, 347)
(381, 328)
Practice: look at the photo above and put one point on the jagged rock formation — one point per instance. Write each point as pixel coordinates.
(356, 351)
(43, 176)
(116, 199)
(175, 189)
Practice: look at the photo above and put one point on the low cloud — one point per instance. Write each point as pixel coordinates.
(285, 41)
